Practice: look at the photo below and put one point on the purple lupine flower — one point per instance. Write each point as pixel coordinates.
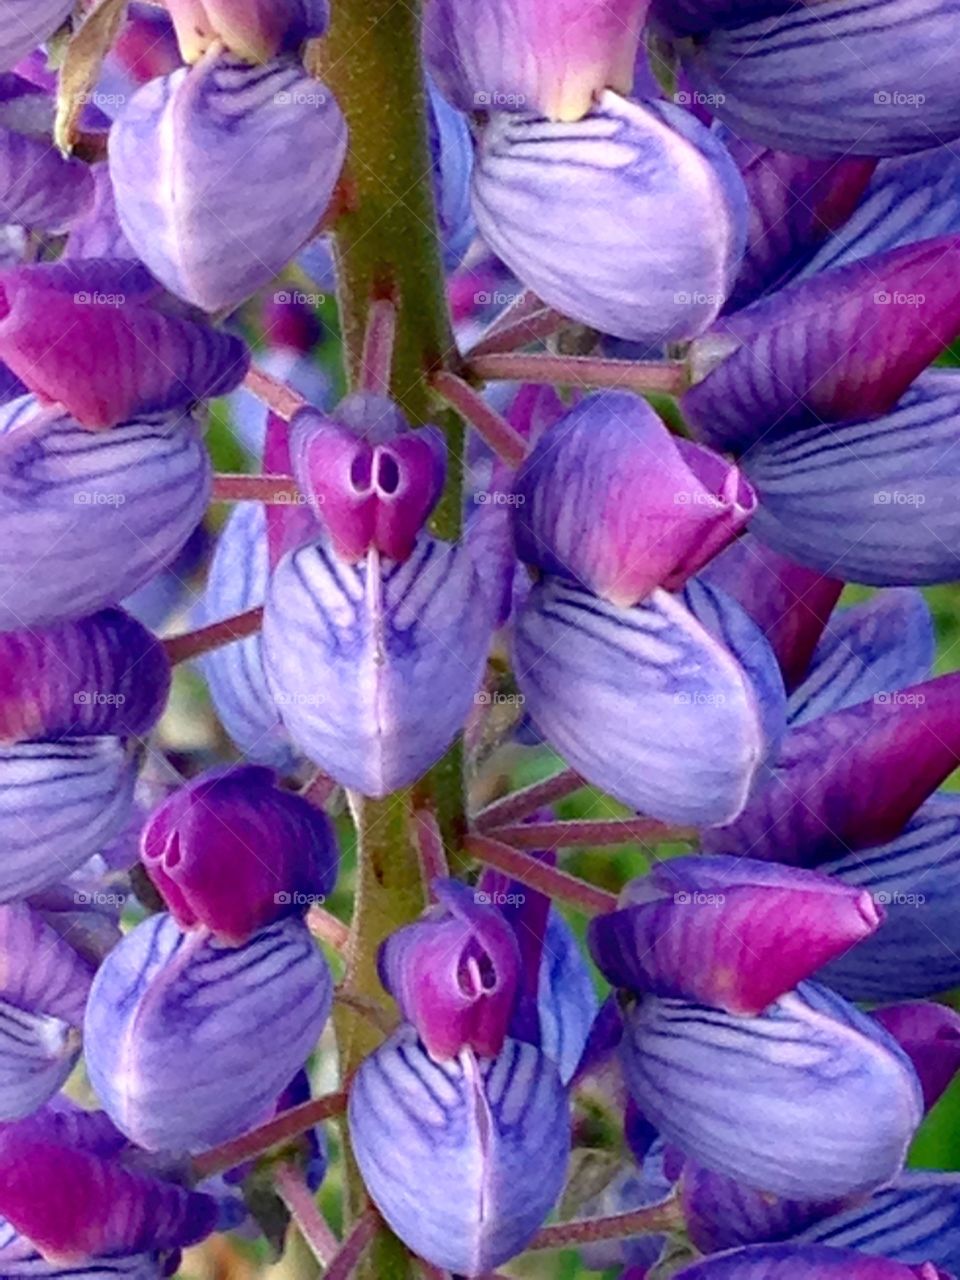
(611, 500)
(252, 29)
(371, 480)
(232, 852)
(220, 240)
(454, 974)
(26, 23)
(836, 77)
(88, 518)
(527, 55)
(736, 935)
(374, 666)
(831, 1105)
(620, 274)
(804, 1262)
(497, 1129)
(189, 1043)
(929, 1034)
(89, 336)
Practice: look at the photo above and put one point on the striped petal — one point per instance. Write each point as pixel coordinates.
(198, 134)
(37, 1054)
(497, 1129)
(139, 1266)
(566, 999)
(38, 187)
(871, 649)
(39, 971)
(26, 23)
(915, 1218)
(916, 880)
(237, 581)
(603, 684)
(87, 519)
(869, 501)
(837, 78)
(189, 1043)
(60, 803)
(733, 935)
(844, 345)
(810, 1101)
(374, 666)
(849, 779)
(543, 195)
(804, 1262)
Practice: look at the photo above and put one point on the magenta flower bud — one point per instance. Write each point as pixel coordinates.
(180, 157)
(613, 501)
(532, 55)
(372, 482)
(105, 674)
(253, 29)
(455, 973)
(232, 852)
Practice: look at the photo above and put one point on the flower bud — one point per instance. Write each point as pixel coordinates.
(454, 973)
(371, 481)
(532, 55)
(542, 197)
(189, 1043)
(203, 230)
(497, 1129)
(232, 852)
(613, 501)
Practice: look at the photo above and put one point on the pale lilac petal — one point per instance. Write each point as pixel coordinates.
(26, 23)
(38, 187)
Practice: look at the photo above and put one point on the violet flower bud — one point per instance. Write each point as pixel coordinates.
(543, 195)
(735, 935)
(86, 335)
(371, 481)
(829, 1110)
(929, 1035)
(232, 852)
(26, 23)
(253, 29)
(95, 516)
(455, 973)
(613, 501)
(496, 1129)
(804, 1262)
(532, 55)
(189, 1043)
(221, 238)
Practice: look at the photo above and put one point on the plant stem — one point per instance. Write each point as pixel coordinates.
(507, 443)
(282, 1128)
(194, 643)
(276, 395)
(538, 875)
(353, 1248)
(659, 1218)
(584, 833)
(305, 1212)
(378, 343)
(516, 805)
(280, 490)
(656, 376)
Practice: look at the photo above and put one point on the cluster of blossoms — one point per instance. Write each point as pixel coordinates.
(740, 218)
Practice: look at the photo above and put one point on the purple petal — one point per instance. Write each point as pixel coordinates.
(374, 666)
(38, 187)
(98, 234)
(916, 879)
(841, 78)
(26, 23)
(102, 1208)
(698, 17)
(810, 1101)
(107, 356)
(237, 581)
(790, 604)
(567, 999)
(844, 345)
(105, 674)
(60, 803)
(611, 500)
(198, 134)
(37, 1054)
(804, 1262)
(734, 935)
(543, 194)
(929, 1035)
(849, 779)
(884, 644)
(86, 519)
(454, 973)
(505, 55)
(232, 852)
(289, 526)
(869, 501)
(254, 29)
(601, 684)
(39, 971)
(189, 1043)
(496, 1129)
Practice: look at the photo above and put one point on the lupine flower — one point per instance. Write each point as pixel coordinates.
(526, 55)
(87, 519)
(39, 188)
(25, 24)
(232, 853)
(220, 240)
(606, 257)
(254, 29)
(189, 1043)
(929, 1034)
(804, 1262)
(67, 328)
